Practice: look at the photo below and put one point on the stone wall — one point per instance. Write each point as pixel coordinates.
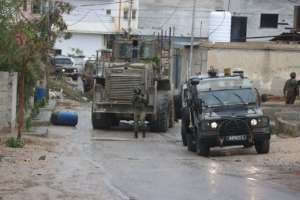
(8, 101)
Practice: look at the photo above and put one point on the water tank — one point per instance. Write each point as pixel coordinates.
(64, 118)
(39, 94)
(219, 26)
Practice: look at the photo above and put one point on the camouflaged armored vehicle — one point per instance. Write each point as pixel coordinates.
(134, 62)
(223, 110)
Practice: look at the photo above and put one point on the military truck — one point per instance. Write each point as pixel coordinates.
(63, 65)
(223, 110)
(133, 63)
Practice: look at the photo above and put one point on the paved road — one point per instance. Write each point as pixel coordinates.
(113, 165)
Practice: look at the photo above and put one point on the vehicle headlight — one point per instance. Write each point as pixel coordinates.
(75, 70)
(254, 122)
(63, 70)
(214, 125)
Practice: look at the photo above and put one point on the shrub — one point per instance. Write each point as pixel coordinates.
(43, 101)
(28, 123)
(12, 142)
(0, 158)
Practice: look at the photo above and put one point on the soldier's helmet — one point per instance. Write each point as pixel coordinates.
(137, 89)
(293, 75)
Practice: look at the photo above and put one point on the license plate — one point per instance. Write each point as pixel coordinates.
(236, 137)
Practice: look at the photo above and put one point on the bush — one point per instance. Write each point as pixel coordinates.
(0, 158)
(12, 142)
(43, 101)
(28, 123)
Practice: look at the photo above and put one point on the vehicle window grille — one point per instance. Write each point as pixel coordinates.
(234, 127)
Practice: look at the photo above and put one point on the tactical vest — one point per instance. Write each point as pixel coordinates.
(139, 103)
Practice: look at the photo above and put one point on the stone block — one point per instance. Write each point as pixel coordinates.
(4, 75)
(3, 88)
(4, 100)
(3, 94)
(271, 112)
(3, 114)
(3, 81)
(3, 108)
(290, 115)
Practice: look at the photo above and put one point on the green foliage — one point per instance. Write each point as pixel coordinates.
(12, 142)
(43, 101)
(277, 132)
(155, 61)
(75, 52)
(28, 123)
(0, 158)
(156, 28)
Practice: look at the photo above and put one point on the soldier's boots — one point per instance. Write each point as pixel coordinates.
(144, 134)
(136, 135)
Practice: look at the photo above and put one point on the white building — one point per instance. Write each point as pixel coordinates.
(93, 22)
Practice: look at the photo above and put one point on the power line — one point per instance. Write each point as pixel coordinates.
(172, 13)
(81, 18)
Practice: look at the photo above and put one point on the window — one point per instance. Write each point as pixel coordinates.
(24, 5)
(125, 14)
(134, 14)
(269, 21)
(108, 12)
(36, 6)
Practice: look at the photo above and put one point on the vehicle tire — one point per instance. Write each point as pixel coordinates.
(177, 106)
(75, 77)
(172, 114)
(190, 143)
(201, 149)
(115, 121)
(248, 145)
(104, 123)
(262, 147)
(185, 122)
(162, 114)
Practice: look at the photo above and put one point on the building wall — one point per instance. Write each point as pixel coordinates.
(268, 65)
(8, 101)
(89, 43)
(253, 9)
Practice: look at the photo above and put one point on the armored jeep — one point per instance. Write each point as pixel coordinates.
(223, 110)
(134, 62)
(63, 65)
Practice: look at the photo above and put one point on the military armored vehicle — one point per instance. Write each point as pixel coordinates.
(63, 65)
(133, 63)
(223, 110)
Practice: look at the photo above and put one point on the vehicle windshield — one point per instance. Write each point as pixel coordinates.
(63, 61)
(223, 97)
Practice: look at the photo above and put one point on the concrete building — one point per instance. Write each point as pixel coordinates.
(92, 24)
(267, 64)
(8, 101)
(168, 13)
(264, 18)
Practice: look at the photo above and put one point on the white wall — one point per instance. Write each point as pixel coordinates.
(89, 43)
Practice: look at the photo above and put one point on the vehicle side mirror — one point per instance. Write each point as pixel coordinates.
(189, 102)
(263, 97)
(195, 81)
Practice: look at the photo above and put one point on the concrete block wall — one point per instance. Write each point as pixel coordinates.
(8, 101)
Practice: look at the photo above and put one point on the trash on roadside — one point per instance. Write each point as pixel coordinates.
(64, 118)
(27, 160)
(42, 158)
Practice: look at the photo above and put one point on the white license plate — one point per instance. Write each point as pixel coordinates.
(236, 137)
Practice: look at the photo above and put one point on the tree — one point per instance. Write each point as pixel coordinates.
(24, 41)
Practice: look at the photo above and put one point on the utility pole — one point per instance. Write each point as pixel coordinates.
(129, 20)
(192, 42)
(49, 51)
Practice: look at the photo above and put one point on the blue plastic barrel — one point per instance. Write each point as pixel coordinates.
(39, 94)
(64, 118)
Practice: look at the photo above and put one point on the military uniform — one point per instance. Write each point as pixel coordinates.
(291, 88)
(139, 104)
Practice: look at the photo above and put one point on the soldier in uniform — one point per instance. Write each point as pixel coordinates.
(139, 102)
(291, 88)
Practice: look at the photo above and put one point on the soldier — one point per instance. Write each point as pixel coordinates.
(292, 89)
(139, 102)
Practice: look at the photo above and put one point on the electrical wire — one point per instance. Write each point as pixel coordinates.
(172, 13)
(80, 19)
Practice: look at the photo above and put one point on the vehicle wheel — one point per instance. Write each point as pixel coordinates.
(185, 122)
(262, 147)
(162, 114)
(75, 77)
(248, 145)
(190, 143)
(201, 149)
(177, 106)
(115, 121)
(104, 123)
(171, 111)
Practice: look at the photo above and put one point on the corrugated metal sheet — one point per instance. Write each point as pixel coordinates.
(178, 33)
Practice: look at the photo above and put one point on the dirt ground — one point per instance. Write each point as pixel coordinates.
(22, 169)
